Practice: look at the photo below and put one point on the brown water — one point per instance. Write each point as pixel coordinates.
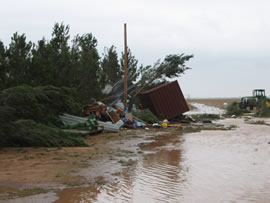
(209, 166)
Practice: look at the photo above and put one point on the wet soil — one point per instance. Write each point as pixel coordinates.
(33, 171)
(167, 165)
(207, 166)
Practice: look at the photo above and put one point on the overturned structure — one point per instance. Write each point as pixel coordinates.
(165, 101)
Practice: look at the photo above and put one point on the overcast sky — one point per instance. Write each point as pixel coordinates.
(229, 38)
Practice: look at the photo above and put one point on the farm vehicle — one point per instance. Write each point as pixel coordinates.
(258, 96)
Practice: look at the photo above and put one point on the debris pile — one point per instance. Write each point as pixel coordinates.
(164, 102)
(48, 116)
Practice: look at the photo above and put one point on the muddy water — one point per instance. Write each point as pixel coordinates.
(210, 166)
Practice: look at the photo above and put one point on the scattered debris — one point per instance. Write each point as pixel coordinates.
(165, 102)
(109, 126)
(81, 125)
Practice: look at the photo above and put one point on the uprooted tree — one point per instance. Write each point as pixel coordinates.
(29, 117)
(150, 76)
(172, 66)
(36, 80)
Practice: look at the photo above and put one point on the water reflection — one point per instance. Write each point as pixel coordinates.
(210, 166)
(155, 178)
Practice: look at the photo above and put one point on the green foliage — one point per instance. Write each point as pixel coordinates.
(42, 104)
(110, 66)
(147, 116)
(53, 62)
(132, 64)
(262, 109)
(3, 66)
(19, 58)
(33, 77)
(86, 69)
(172, 66)
(27, 112)
(234, 109)
(76, 64)
(151, 76)
(28, 133)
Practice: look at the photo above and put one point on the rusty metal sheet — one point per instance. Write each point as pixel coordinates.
(165, 101)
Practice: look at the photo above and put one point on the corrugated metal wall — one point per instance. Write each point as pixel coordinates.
(165, 101)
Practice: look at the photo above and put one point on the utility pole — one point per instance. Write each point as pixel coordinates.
(126, 68)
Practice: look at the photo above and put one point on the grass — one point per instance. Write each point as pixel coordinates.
(100, 181)
(116, 174)
(263, 110)
(59, 174)
(25, 157)
(126, 163)
(232, 126)
(121, 161)
(58, 158)
(258, 122)
(9, 193)
(234, 109)
(35, 164)
(42, 154)
(21, 150)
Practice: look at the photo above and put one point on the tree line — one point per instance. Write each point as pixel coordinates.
(76, 63)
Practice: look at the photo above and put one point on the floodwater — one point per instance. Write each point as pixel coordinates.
(204, 109)
(209, 166)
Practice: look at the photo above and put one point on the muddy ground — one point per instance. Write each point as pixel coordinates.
(156, 161)
(29, 171)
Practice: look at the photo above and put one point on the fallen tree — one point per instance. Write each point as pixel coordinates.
(30, 117)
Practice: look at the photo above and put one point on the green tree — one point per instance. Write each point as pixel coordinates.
(60, 55)
(174, 65)
(19, 58)
(132, 65)
(41, 72)
(51, 62)
(86, 67)
(110, 66)
(3, 66)
(150, 76)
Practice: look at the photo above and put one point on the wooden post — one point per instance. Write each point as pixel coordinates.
(126, 68)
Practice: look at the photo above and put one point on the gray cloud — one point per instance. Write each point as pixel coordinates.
(230, 39)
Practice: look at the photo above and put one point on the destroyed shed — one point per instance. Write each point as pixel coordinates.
(165, 101)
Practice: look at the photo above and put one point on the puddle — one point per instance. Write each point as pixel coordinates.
(41, 198)
(204, 109)
(209, 166)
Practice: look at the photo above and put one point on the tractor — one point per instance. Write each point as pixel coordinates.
(251, 102)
